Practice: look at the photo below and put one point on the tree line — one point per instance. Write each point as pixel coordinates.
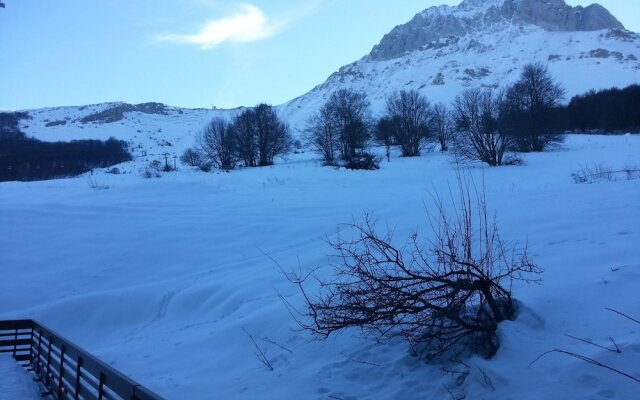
(24, 158)
(480, 124)
(605, 111)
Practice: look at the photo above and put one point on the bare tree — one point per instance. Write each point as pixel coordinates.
(527, 109)
(447, 299)
(218, 144)
(478, 135)
(441, 120)
(274, 138)
(244, 129)
(408, 113)
(384, 134)
(261, 136)
(322, 133)
(349, 111)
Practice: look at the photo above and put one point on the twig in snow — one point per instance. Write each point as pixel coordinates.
(616, 350)
(453, 397)
(588, 360)
(359, 361)
(487, 380)
(261, 354)
(273, 342)
(623, 314)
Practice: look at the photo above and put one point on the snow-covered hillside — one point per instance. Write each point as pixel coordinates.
(159, 276)
(150, 129)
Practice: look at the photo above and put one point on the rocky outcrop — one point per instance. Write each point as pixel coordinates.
(438, 23)
(556, 15)
(117, 112)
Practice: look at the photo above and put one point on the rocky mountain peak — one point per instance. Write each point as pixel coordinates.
(438, 23)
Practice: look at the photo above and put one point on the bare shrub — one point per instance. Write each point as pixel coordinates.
(152, 170)
(600, 172)
(365, 161)
(445, 296)
(191, 157)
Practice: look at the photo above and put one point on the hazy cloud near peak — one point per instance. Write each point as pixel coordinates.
(247, 24)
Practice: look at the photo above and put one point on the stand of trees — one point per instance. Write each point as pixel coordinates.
(407, 121)
(605, 111)
(25, 159)
(254, 137)
(342, 129)
(527, 108)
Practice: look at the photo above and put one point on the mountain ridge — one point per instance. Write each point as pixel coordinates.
(438, 22)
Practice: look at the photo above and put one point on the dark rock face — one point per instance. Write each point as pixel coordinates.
(438, 23)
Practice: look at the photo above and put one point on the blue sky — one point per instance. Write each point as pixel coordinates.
(193, 53)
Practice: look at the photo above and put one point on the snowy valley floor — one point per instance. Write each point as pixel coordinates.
(158, 277)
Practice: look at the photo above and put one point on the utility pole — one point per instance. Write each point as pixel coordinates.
(166, 161)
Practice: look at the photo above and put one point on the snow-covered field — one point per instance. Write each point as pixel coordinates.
(159, 277)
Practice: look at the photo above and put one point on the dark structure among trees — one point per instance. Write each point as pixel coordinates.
(25, 159)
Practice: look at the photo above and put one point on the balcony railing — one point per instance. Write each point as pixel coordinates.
(64, 370)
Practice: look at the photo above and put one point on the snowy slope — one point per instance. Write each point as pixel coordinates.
(149, 134)
(159, 277)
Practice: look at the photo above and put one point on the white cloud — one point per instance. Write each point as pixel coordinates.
(248, 24)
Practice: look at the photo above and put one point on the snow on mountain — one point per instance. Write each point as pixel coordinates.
(444, 50)
(440, 52)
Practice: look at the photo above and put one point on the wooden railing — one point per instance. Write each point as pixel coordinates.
(64, 370)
